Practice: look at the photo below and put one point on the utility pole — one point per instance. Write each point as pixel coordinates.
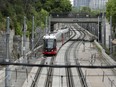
(32, 47)
(7, 69)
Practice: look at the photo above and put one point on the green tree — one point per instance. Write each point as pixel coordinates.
(57, 6)
(75, 9)
(66, 6)
(85, 10)
(17, 9)
(111, 11)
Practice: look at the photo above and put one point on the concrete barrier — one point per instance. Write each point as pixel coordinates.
(106, 56)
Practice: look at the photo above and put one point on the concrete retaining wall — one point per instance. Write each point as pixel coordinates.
(107, 57)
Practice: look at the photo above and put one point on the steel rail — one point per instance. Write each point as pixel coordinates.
(79, 70)
(69, 76)
(50, 71)
(49, 78)
(37, 75)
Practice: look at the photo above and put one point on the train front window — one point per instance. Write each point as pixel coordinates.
(49, 43)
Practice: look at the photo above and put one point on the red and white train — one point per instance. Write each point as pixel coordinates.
(54, 41)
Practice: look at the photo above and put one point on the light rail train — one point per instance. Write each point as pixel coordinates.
(52, 42)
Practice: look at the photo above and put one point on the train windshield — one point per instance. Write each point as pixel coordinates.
(49, 43)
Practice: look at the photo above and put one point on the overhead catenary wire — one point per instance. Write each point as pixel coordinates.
(59, 66)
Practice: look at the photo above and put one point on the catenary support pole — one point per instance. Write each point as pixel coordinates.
(98, 28)
(49, 29)
(7, 70)
(46, 29)
(32, 47)
(110, 35)
(103, 29)
(24, 40)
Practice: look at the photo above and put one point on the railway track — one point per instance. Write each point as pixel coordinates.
(37, 74)
(79, 70)
(85, 79)
(48, 82)
(49, 76)
(69, 76)
(69, 73)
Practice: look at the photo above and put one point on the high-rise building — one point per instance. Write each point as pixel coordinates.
(97, 4)
(75, 3)
(81, 3)
(93, 4)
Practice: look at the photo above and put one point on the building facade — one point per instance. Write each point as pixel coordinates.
(93, 4)
(81, 3)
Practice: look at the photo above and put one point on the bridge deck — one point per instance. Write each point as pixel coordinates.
(75, 20)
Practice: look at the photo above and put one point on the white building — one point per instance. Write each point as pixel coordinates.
(97, 4)
(81, 3)
(93, 4)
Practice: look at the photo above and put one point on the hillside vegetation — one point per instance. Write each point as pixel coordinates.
(17, 9)
(111, 11)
